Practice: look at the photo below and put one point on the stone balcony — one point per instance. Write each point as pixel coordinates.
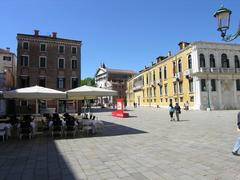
(178, 76)
(137, 88)
(159, 83)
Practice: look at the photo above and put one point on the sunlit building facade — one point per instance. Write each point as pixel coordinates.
(205, 75)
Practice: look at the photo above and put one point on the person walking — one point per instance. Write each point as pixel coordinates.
(237, 144)
(186, 106)
(178, 111)
(171, 111)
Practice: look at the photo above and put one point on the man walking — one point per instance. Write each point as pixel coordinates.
(178, 111)
(237, 144)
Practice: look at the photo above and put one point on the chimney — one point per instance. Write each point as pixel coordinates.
(183, 44)
(169, 53)
(36, 32)
(54, 34)
(8, 49)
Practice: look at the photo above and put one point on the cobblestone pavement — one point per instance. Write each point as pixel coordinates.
(145, 146)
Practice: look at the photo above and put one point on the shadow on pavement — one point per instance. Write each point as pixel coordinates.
(112, 129)
(182, 120)
(38, 158)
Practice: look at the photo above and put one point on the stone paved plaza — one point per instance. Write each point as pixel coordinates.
(145, 146)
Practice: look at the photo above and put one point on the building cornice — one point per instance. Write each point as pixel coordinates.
(47, 39)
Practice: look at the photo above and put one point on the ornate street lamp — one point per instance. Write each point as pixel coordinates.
(223, 17)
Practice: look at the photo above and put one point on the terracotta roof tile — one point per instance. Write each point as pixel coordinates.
(120, 71)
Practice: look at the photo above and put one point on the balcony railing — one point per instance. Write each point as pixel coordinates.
(159, 82)
(203, 69)
(136, 88)
(188, 72)
(178, 76)
(227, 70)
(214, 70)
(237, 70)
(153, 83)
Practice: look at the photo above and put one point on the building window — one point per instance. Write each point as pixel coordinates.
(43, 47)
(24, 81)
(154, 92)
(161, 90)
(174, 68)
(165, 73)
(202, 61)
(154, 77)
(180, 87)
(190, 82)
(212, 61)
(238, 84)
(74, 82)
(213, 84)
(150, 77)
(24, 61)
(42, 62)
(191, 98)
(165, 89)
(160, 73)
(61, 63)
(7, 58)
(225, 61)
(74, 64)
(181, 99)
(189, 62)
(179, 65)
(42, 81)
(236, 60)
(61, 48)
(147, 78)
(74, 50)
(203, 85)
(150, 92)
(25, 45)
(175, 88)
(61, 83)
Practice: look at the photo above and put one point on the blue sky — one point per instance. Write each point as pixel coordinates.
(124, 34)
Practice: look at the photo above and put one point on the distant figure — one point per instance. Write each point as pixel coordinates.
(237, 144)
(178, 111)
(135, 105)
(186, 106)
(171, 111)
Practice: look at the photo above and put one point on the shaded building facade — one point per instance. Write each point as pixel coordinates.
(49, 61)
(8, 68)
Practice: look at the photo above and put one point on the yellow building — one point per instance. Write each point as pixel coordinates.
(195, 75)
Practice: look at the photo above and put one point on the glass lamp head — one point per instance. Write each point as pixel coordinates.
(223, 19)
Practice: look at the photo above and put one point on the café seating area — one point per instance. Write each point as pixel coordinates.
(49, 125)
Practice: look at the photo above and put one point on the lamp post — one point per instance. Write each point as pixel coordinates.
(223, 17)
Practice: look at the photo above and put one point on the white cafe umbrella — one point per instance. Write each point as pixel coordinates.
(89, 92)
(34, 92)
